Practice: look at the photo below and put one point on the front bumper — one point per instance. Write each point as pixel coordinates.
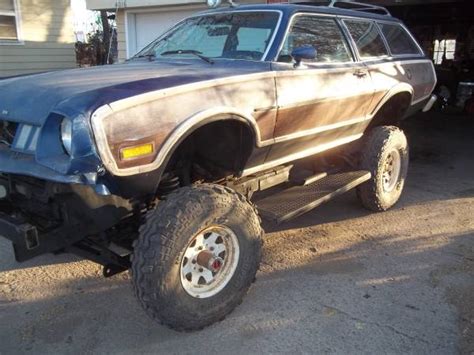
(23, 236)
(28, 242)
(17, 163)
(430, 103)
(41, 217)
(12, 162)
(35, 216)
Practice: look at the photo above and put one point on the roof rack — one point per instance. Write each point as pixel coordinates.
(349, 5)
(359, 6)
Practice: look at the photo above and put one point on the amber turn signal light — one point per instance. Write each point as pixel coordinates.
(136, 151)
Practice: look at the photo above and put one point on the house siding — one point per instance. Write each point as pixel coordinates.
(47, 35)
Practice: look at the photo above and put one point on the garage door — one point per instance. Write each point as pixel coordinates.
(150, 25)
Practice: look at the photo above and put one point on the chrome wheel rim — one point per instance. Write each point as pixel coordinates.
(209, 261)
(391, 170)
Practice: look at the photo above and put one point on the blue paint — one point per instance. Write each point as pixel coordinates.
(43, 100)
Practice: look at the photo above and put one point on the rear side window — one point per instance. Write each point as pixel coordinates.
(367, 38)
(398, 39)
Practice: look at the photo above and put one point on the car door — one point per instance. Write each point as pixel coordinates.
(321, 103)
(373, 52)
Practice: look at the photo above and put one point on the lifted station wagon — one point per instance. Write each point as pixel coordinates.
(151, 165)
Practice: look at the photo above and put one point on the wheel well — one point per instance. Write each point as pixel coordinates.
(392, 111)
(211, 152)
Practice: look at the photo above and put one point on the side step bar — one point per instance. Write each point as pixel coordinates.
(297, 200)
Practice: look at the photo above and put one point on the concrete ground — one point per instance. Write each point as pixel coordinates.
(337, 280)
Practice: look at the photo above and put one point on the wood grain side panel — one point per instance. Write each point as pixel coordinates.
(318, 114)
(280, 150)
(355, 106)
(306, 116)
(266, 123)
(385, 76)
(319, 98)
(157, 119)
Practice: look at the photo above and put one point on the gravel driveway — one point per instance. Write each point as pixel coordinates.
(337, 280)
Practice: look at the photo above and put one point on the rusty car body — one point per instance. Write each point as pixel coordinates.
(85, 153)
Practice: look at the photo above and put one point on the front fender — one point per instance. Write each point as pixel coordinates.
(171, 141)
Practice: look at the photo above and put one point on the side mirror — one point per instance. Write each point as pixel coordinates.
(213, 3)
(303, 53)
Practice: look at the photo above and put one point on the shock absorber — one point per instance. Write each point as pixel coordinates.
(168, 184)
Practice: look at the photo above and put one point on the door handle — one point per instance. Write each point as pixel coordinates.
(360, 73)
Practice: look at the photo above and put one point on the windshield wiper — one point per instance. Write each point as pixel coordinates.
(150, 56)
(190, 51)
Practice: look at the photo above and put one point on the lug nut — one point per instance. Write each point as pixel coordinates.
(216, 264)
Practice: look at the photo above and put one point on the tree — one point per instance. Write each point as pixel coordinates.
(105, 34)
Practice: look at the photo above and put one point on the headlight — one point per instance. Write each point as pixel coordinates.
(66, 135)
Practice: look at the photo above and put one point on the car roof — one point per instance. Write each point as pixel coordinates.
(290, 9)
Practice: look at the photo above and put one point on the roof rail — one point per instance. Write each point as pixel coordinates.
(359, 6)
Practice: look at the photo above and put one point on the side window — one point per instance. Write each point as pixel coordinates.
(367, 38)
(323, 34)
(398, 39)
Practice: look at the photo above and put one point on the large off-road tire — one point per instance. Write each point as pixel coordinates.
(196, 256)
(385, 155)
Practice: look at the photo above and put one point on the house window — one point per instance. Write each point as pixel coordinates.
(8, 21)
(444, 49)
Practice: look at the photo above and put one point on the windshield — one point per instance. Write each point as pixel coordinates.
(232, 36)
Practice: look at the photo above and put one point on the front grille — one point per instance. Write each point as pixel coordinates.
(7, 132)
(21, 137)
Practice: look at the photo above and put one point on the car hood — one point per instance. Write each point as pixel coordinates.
(30, 99)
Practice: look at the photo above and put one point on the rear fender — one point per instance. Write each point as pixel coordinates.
(397, 89)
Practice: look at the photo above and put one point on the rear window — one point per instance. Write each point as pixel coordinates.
(398, 39)
(367, 38)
